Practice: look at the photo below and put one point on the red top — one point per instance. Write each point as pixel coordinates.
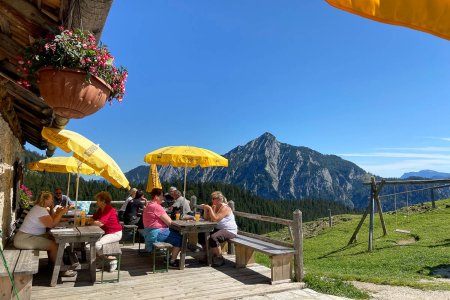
(109, 219)
(152, 213)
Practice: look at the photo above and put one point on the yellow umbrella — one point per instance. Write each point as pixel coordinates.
(424, 15)
(89, 153)
(153, 179)
(186, 156)
(63, 165)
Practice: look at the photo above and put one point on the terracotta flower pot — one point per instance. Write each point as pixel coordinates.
(70, 95)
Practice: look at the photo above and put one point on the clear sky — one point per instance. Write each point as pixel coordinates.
(217, 74)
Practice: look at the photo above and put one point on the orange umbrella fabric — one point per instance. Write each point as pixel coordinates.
(431, 16)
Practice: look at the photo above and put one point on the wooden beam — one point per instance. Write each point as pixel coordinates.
(263, 218)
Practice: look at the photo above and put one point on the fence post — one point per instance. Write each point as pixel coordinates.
(298, 245)
(193, 204)
(433, 204)
(231, 245)
(330, 221)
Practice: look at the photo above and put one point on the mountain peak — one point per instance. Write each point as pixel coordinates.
(267, 136)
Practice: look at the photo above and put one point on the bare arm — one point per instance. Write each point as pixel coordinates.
(51, 221)
(216, 217)
(166, 219)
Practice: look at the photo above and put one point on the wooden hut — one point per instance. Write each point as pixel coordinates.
(23, 112)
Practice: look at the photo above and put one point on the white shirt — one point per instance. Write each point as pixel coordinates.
(32, 224)
(124, 205)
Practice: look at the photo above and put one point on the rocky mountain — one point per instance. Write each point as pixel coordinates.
(276, 170)
(426, 174)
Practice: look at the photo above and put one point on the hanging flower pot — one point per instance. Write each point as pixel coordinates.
(70, 95)
(76, 76)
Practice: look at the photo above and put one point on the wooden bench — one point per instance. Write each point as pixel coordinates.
(22, 264)
(280, 256)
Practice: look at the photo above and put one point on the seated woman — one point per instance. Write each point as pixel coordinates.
(225, 229)
(132, 213)
(156, 226)
(106, 218)
(32, 233)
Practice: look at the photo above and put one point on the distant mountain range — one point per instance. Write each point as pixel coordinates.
(426, 174)
(275, 170)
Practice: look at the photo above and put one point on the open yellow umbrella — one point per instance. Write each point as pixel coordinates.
(63, 165)
(185, 156)
(432, 16)
(87, 152)
(153, 179)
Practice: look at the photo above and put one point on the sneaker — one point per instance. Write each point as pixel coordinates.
(218, 261)
(174, 264)
(112, 265)
(69, 273)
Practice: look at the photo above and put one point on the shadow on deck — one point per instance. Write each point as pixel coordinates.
(138, 282)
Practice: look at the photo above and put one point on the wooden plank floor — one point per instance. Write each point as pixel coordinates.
(138, 282)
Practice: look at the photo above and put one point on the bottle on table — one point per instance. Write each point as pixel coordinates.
(83, 218)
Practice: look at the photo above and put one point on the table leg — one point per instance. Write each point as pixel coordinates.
(208, 254)
(58, 263)
(183, 251)
(92, 261)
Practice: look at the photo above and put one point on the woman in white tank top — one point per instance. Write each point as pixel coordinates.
(226, 227)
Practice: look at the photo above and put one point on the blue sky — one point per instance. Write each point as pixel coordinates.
(217, 74)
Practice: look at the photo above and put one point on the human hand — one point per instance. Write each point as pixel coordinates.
(62, 210)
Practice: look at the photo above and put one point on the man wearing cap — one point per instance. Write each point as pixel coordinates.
(180, 202)
(132, 194)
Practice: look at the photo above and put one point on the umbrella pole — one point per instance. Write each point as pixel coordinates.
(76, 198)
(68, 188)
(184, 191)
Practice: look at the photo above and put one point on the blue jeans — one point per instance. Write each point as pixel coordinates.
(153, 235)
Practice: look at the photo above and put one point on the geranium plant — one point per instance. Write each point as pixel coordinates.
(73, 49)
(25, 196)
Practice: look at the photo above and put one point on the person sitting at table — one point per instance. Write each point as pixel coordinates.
(134, 208)
(32, 233)
(131, 195)
(156, 226)
(181, 204)
(106, 218)
(225, 229)
(62, 200)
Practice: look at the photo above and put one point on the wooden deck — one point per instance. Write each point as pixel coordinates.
(138, 282)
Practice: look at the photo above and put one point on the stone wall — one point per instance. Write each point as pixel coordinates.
(10, 151)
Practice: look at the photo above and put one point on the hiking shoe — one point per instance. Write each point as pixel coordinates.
(218, 261)
(175, 264)
(69, 273)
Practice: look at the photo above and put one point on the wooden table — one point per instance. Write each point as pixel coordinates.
(84, 234)
(184, 227)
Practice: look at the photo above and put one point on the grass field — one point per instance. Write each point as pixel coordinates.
(408, 259)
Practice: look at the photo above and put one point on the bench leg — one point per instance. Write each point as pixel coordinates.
(23, 284)
(281, 268)
(244, 256)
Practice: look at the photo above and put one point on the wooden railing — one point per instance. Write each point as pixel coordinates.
(295, 231)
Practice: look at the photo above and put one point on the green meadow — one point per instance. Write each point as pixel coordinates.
(415, 259)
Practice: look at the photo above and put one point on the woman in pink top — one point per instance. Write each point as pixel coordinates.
(156, 226)
(106, 218)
